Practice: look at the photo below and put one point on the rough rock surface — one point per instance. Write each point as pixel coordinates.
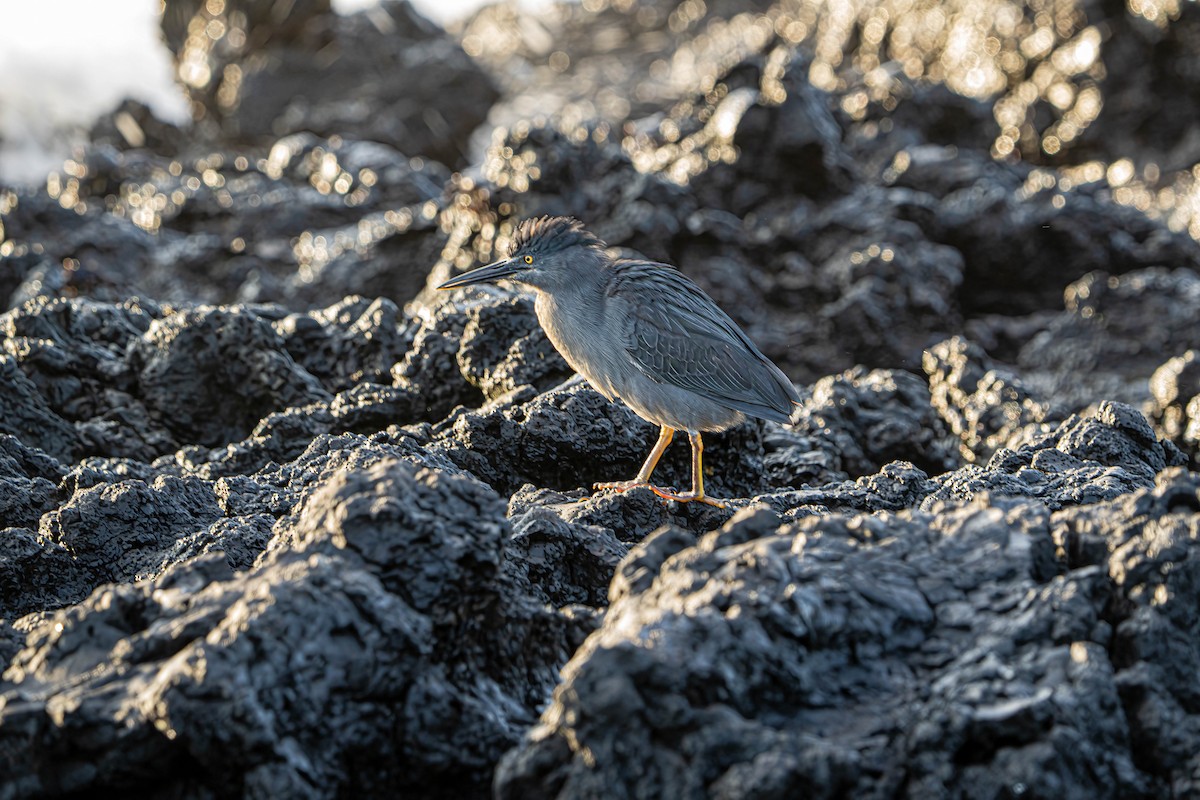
(279, 520)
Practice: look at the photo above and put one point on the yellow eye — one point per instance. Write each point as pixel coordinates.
(528, 259)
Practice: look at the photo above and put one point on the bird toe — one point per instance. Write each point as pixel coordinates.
(688, 497)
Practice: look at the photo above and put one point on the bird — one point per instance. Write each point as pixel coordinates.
(646, 334)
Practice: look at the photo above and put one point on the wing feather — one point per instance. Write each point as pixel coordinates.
(674, 333)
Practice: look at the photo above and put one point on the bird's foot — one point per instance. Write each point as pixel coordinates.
(688, 497)
(665, 494)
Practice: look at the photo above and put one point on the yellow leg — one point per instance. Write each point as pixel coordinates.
(697, 494)
(643, 476)
(697, 465)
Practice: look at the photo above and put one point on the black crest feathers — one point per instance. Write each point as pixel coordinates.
(545, 235)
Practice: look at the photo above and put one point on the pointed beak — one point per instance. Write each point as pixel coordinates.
(489, 274)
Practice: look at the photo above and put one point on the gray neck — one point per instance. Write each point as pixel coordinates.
(573, 315)
(579, 289)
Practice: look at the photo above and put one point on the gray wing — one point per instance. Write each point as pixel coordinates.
(676, 334)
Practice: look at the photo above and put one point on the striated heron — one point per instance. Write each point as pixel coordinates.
(645, 333)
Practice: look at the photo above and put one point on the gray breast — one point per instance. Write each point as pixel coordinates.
(579, 339)
(590, 343)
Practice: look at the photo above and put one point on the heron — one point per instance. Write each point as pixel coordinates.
(646, 334)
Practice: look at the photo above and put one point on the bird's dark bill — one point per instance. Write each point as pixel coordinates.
(490, 273)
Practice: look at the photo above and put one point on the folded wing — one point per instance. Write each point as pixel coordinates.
(676, 334)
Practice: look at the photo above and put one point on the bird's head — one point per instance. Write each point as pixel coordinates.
(546, 253)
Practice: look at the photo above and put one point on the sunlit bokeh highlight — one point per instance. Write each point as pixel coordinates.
(1039, 64)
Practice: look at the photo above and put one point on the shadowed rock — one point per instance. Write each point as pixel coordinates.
(874, 418)
(194, 361)
(261, 68)
(299, 219)
(74, 352)
(1113, 335)
(1021, 248)
(24, 413)
(1087, 459)
(352, 342)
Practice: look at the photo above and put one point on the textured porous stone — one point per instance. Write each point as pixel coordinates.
(193, 362)
(390, 627)
(866, 655)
